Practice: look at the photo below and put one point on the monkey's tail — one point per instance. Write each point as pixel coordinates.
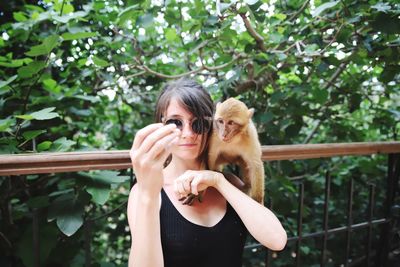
(258, 186)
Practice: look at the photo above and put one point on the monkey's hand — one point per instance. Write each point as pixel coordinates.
(193, 182)
(189, 199)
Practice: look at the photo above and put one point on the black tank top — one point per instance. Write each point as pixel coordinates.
(187, 244)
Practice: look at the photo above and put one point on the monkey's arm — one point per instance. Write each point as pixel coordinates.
(261, 223)
(233, 179)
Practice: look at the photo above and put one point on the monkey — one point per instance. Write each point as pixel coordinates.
(234, 140)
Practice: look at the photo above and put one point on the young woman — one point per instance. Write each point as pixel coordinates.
(168, 159)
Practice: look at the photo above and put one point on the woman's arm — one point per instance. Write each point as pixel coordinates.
(262, 224)
(144, 223)
(148, 154)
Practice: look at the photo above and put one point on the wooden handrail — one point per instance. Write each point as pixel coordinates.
(119, 159)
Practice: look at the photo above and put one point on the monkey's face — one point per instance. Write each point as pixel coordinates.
(227, 129)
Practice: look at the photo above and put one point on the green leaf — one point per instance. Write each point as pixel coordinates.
(45, 48)
(276, 37)
(266, 117)
(280, 16)
(19, 16)
(106, 177)
(44, 146)
(32, 177)
(70, 220)
(68, 210)
(311, 49)
(128, 13)
(13, 63)
(9, 80)
(81, 112)
(65, 7)
(387, 23)
(5, 124)
(100, 62)
(145, 21)
(38, 202)
(31, 69)
(93, 99)
(320, 95)
(305, 250)
(396, 114)
(324, 7)
(99, 184)
(100, 194)
(68, 17)
(45, 114)
(251, 2)
(28, 135)
(170, 34)
(24, 117)
(62, 144)
(79, 35)
(382, 7)
(51, 86)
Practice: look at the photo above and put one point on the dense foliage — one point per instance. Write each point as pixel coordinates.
(84, 75)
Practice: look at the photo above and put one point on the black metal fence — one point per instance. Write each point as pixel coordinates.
(388, 224)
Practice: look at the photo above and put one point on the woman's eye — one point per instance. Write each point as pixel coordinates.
(178, 123)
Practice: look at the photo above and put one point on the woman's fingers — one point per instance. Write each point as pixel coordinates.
(182, 185)
(194, 186)
(156, 136)
(143, 133)
(161, 147)
(193, 182)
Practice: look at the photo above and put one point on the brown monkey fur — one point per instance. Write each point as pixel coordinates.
(234, 140)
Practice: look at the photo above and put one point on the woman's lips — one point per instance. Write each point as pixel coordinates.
(187, 145)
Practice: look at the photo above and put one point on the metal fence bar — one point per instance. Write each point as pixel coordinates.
(88, 240)
(35, 237)
(299, 223)
(349, 221)
(330, 231)
(326, 217)
(370, 215)
(392, 184)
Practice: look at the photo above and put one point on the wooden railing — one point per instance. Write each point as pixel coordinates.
(107, 160)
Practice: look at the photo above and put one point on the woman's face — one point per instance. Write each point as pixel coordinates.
(189, 144)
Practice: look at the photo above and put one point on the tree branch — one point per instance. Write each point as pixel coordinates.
(295, 15)
(203, 67)
(259, 39)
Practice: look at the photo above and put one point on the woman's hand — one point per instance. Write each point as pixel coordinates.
(192, 182)
(149, 151)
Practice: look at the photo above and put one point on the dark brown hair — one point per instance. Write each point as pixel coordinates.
(194, 98)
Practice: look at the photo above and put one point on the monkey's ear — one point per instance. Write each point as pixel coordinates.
(251, 112)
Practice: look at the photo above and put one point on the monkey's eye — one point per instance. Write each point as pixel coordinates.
(220, 121)
(231, 123)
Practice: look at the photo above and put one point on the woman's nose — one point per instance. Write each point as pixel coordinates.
(187, 129)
